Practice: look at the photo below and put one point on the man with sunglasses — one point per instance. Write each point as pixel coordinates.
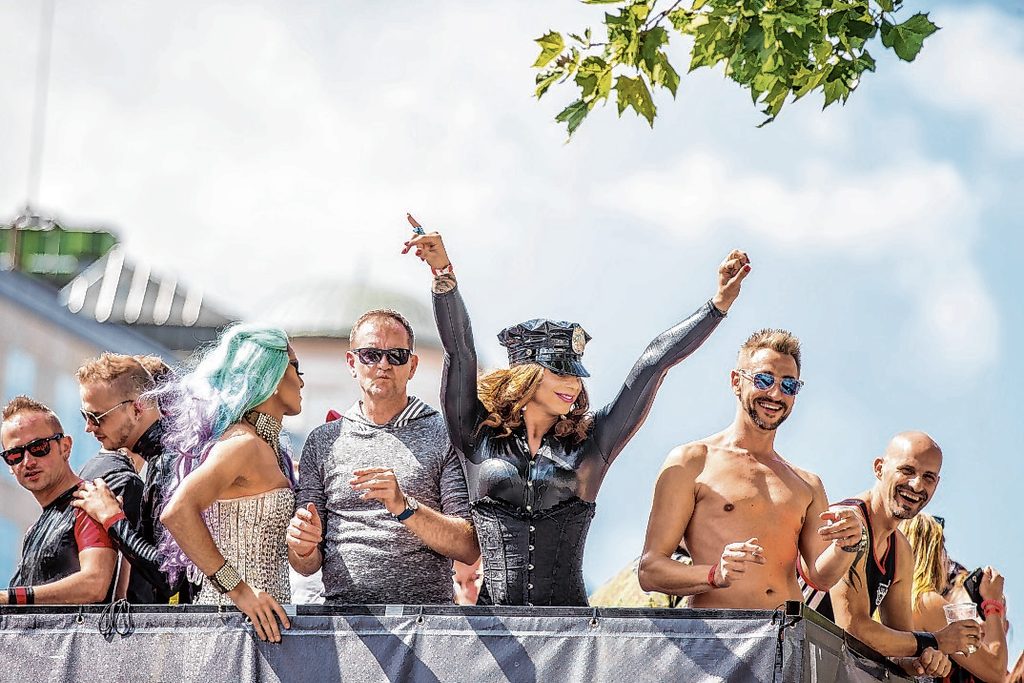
(126, 423)
(746, 515)
(881, 581)
(382, 499)
(66, 557)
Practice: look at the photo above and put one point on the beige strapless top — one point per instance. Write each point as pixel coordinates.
(250, 533)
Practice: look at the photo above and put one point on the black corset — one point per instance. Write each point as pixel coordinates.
(533, 558)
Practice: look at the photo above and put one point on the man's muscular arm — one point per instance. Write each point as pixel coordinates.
(823, 562)
(674, 499)
(893, 637)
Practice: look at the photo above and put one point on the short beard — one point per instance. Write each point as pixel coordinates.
(752, 412)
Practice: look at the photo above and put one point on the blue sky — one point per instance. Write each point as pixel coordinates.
(249, 146)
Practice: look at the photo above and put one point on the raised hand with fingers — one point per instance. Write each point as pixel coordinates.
(379, 483)
(428, 247)
(844, 527)
(305, 531)
(735, 559)
(263, 611)
(731, 273)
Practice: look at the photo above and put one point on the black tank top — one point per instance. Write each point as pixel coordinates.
(880, 571)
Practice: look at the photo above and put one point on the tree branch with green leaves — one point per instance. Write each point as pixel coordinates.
(779, 50)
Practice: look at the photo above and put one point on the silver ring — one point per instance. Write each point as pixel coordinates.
(971, 649)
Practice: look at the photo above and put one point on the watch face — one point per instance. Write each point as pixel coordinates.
(412, 503)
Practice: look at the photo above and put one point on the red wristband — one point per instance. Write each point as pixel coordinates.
(114, 520)
(992, 606)
(711, 576)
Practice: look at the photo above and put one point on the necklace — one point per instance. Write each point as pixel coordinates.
(268, 429)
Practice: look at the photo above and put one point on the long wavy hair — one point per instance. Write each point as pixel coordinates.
(506, 392)
(214, 389)
(930, 560)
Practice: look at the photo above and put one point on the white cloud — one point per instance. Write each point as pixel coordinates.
(916, 220)
(975, 66)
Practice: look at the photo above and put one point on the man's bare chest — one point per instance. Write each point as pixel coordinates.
(750, 488)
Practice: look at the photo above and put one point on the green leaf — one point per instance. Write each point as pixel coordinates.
(907, 39)
(551, 45)
(650, 45)
(835, 90)
(573, 115)
(886, 5)
(633, 92)
(547, 79)
(594, 77)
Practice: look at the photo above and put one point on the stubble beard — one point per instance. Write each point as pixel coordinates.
(756, 419)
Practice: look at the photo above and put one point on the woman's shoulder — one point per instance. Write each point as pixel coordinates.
(238, 439)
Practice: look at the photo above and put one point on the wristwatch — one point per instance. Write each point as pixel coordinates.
(411, 506)
(225, 579)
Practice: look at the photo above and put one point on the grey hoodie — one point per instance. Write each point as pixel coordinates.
(369, 556)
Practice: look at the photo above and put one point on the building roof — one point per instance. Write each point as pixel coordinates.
(42, 300)
(116, 289)
(327, 308)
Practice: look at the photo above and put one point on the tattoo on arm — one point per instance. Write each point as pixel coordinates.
(443, 283)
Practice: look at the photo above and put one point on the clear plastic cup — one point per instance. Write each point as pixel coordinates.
(960, 611)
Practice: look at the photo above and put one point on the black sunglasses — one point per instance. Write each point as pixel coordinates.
(370, 356)
(38, 448)
(94, 419)
(790, 386)
(295, 364)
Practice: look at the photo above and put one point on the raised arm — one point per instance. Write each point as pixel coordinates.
(616, 423)
(462, 409)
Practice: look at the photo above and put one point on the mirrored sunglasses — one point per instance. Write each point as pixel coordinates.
(764, 381)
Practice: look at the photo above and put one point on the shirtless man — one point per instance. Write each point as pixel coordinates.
(747, 516)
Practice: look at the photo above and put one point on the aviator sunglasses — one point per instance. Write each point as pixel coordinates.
(765, 380)
(38, 448)
(370, 356)
(94, 419)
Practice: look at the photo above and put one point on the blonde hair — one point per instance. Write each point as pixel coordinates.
(129, 373)
(506, 392)
(26, 404)
(780, 341)
(928, 543)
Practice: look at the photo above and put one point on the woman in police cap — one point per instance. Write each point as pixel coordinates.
(535, 453)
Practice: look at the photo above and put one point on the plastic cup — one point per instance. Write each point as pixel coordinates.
(960, 611)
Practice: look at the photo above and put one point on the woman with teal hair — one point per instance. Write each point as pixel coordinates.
(232, 498)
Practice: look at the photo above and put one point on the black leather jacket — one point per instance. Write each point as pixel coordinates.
(50, 550)
(532, 514)
(148, 584)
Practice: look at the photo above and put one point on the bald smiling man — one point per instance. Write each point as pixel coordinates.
(906, 476)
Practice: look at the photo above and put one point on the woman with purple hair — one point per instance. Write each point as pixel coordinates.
(232, 498)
